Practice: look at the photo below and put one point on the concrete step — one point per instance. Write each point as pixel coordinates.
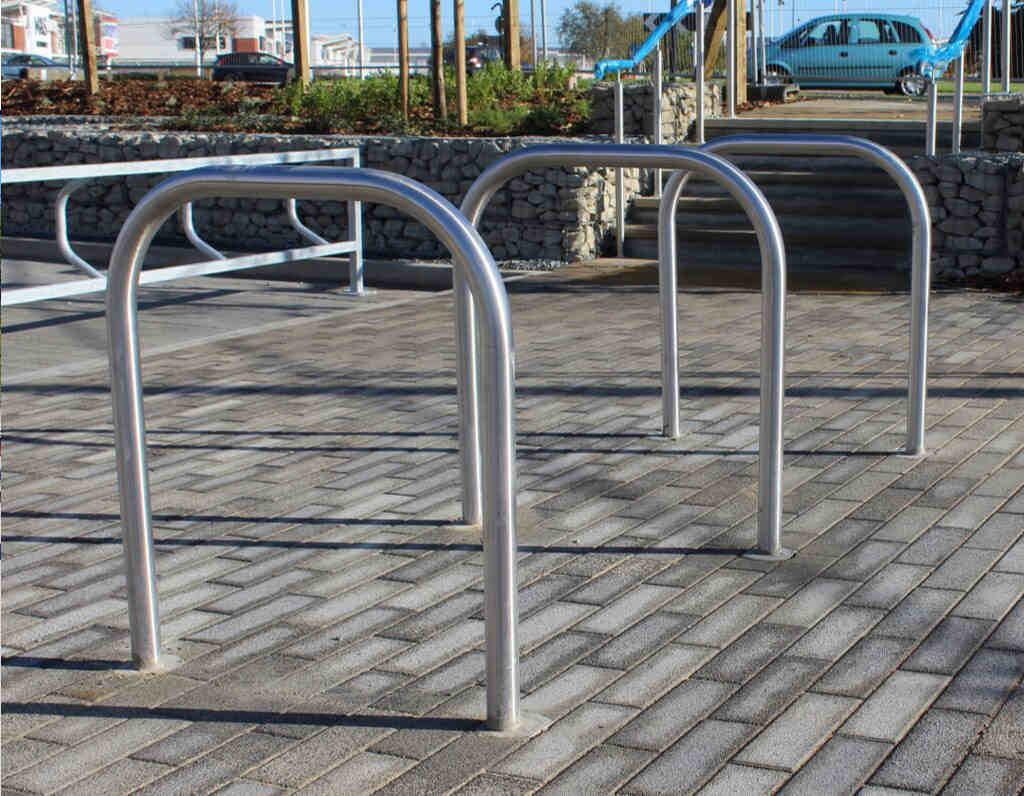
(725, 251)
(784, 202)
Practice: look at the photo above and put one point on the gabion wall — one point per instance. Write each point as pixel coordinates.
(678, 109)
(977, 207)
(1003, 123)
(558, 214)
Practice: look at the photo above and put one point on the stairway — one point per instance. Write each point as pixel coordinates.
(844, 221)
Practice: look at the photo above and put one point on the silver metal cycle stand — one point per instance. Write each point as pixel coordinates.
(773, 296)
(921, 245)
(477, 269)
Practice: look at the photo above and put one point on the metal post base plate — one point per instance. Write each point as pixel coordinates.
(530, 724)
(756, 555)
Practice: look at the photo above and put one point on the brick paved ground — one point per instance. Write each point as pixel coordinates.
(328, 623)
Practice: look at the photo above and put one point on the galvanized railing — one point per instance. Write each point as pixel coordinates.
(78, 176)
(920, 269)
(772, 310)
(493, 403)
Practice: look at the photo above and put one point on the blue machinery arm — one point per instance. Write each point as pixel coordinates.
(606, 65)
(932, 62)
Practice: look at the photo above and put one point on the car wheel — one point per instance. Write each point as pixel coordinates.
(912, 84)
(777, 74)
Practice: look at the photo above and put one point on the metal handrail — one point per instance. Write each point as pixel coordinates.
(80, 175)
(480, 275)
(772, 308)
(920, 269)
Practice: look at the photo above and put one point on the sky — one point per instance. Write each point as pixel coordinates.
(339, 16)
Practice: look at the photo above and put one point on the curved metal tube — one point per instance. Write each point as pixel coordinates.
(61, 225)
(772, 300)
(188, 227)
(473, 262)
(921, 246)
(291, 206)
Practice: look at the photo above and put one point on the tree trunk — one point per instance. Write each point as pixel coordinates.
(92, 77)
(460, 62)
(714, 32)
(403, 56)
(300, 41)
(511, 14)
(437, 61)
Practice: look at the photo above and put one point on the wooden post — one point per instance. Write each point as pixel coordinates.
(87, 37)
(511, 13)
(714, 33)
(403, 56)
(460, 62)
(741, 51)
(300, 40)
(437, 61)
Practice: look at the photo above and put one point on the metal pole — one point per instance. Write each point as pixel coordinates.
(731, 67)
(1007, 45)
(986, 51)
(61, 224)
(656, 132)
(359, 16)
(698, 76)
(620, 188)
(932, 124)
(533, 32)
(958, 104)
(764, 44)
(921, 246)
(742, 189)
(543, 30)
(754, 50)
(198, 39)
(471, 258)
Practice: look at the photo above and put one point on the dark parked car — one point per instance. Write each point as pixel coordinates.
(477, 56)
(16, 67)
(253, 67)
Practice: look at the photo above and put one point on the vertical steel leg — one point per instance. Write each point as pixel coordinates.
(620, 188)
(958, 105)
(699, 74)
(656, 132)
(932, 124)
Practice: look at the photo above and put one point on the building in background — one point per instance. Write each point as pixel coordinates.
(41, 28)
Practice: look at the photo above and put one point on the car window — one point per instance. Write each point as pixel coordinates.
(37, 61)
(869, 31)
(907, 33)
(828, 33)
(268, 59)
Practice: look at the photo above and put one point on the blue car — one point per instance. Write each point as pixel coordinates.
(853, 50)
(17, 66)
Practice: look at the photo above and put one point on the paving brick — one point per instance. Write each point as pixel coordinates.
(984, 683)
(888, 587)
(627, 609)
(949, 645)
(972, 512)
(989, 775)
(554, 657)
(672, 715)
(497, 785)
(244, 787)
(712, 591)
(416, 743)
(362, 773)
(751, 652)
(454, 765)
(346, 632)
(337, 608)
(549, 621)
(1013, 561)
(917, 613)
(909, 524)
(865, 666)
(35, 633)
(992, 596)
(23, 752)
(841, 538)
(811, 603)
(692, 760)
(608, 586)
(668, 666)
(749, 781)
(836, 633)
(96, 753)
(775, 687)
(727, 623)
(601, 770)
(641, 640)
(123, 776)
(565, 741)
(1004, 736)
(998, 532)
(572, 687)
(934, 546)
(1010, 632)
(895, 706)
(942, 738)
(865, 560)
(189, 742)
(798, 733)
(841, 766)
(962, 569)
